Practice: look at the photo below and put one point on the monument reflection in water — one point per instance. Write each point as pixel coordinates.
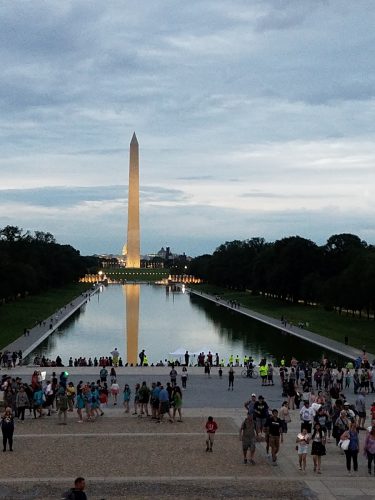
(131, 295)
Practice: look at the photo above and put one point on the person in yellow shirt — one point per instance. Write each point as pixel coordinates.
(71, 394)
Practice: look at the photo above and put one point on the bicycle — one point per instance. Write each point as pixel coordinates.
(250, 373)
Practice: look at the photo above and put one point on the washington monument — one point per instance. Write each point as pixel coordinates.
(133, 241)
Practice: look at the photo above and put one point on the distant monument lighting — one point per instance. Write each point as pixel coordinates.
(132, 247)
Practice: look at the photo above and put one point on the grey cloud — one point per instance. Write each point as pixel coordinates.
(196, 178)
(60, 196)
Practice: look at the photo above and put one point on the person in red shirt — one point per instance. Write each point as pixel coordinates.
(211, 428)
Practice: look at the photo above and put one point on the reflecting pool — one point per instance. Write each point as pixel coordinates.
(159, 320)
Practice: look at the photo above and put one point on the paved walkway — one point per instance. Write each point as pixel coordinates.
(27, 343)
(332, 345)
(124, 456)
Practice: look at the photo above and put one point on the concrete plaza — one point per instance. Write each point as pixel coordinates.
(124, 456)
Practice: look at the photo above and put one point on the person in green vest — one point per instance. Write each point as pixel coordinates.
(263, 374)
(245, 360)
(145, 360)
(282, 362)
(231, 359)
(237, 360)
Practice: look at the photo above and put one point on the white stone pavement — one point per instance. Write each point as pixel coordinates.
(205, 396)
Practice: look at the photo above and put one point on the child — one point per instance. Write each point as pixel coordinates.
(220, 372)
(115, 389)
(302, 441)
(211, 428)
(126, 395)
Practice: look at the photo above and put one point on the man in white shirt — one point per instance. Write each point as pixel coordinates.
(50, 396)
(306, 416)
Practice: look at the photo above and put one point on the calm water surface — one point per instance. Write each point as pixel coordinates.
(150, 317)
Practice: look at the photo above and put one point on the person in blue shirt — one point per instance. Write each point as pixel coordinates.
(38, 400)
(155, 391)
(164, 406)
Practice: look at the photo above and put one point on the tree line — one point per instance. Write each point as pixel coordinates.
(33, 262)
(339, 274)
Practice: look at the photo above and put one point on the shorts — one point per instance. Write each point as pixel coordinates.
(155, 404)
(164, 407)
(260, 422)
(302, 449)
(211, 437)
(362, 414)
(274, 442)
(248, 444)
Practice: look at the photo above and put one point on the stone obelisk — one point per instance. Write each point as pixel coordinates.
(133, 241)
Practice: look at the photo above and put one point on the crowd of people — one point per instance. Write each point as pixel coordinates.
(10, 359)
(324, 412)
(39, 398)
(320, 417)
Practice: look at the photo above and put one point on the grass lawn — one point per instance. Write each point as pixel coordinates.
(24, 313)
(330, 324)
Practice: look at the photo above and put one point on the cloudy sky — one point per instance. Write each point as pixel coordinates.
(254, 118)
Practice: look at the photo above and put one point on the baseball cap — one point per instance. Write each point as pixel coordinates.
(346, 403)
(253, 395)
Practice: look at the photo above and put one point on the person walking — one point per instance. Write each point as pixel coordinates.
(318, 448)
(306, 416)
(126, 396)
(115, 389)
(247, 436)
(291, 393)
(80, 405)
(360, 407)
(230, 378)
(113, 375)
(164, 405)
(353, 447)
(7, 428)
(184, 377)
(303, 440)
(103, 374)
(211, 428)
(369, 449)
(284, 416)
(71, 393)
(173, 375)
(38, 401)
(177, 403)
(275, 433)
(136, 399)
(144, 398)
(260, 413)
(22, 402)
(62, 404)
